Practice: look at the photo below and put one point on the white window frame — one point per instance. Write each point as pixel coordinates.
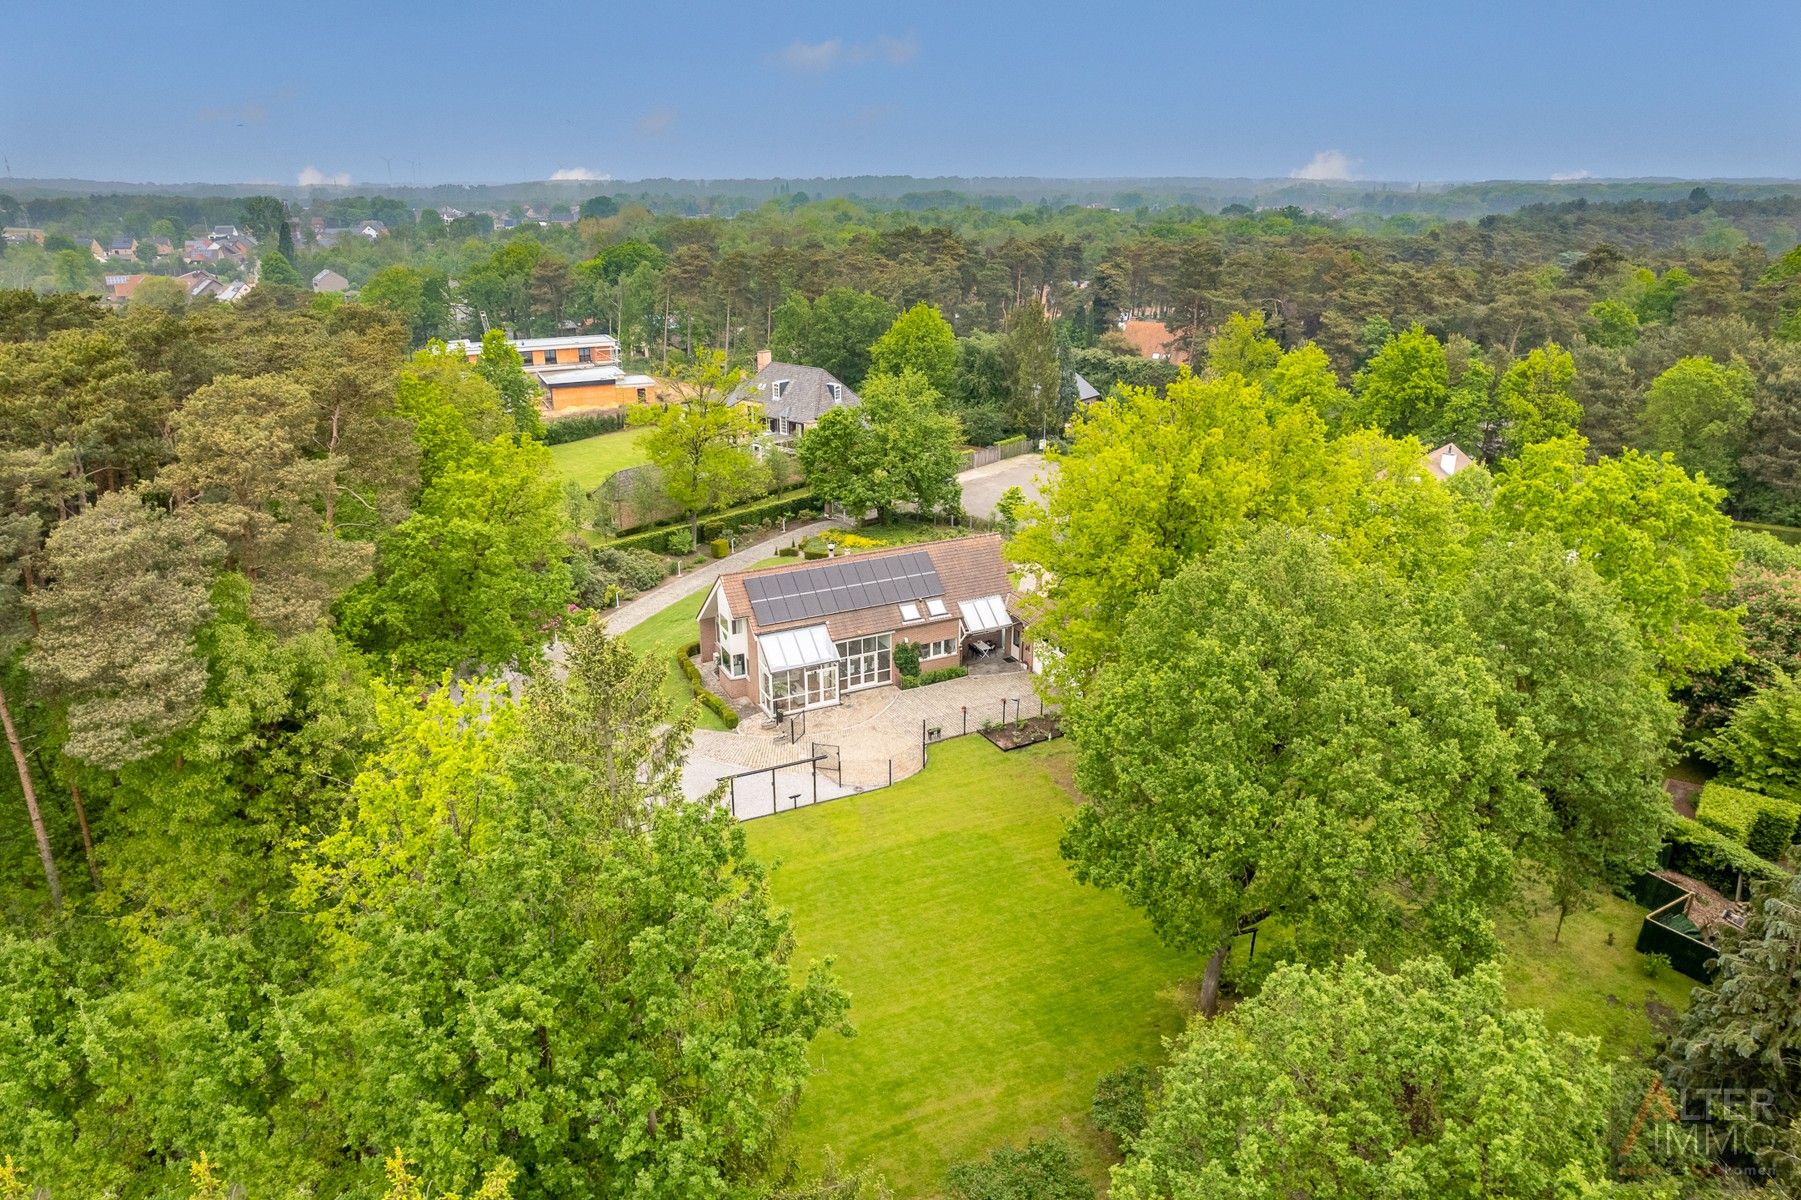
(865, 662)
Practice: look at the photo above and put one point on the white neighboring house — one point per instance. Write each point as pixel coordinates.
(1447, 460)
(329, 280)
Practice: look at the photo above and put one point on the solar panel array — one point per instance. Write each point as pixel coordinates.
(842, 586)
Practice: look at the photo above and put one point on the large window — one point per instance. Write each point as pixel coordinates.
(863, 662)
(802, 687)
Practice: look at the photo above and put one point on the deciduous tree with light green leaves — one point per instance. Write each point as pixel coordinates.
(1404, 386)
(897, 447)
(1533, 396)
(1294, 739)
(1346, 1082)
(1150, 483)
(1700, 411)
(1240, 345)
(500, 364)
(610, 992)
(921, 340)
(701, 446)
(1581, 699)
(1655, 535)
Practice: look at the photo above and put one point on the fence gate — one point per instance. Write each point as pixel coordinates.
(828, 761)
(796, 726)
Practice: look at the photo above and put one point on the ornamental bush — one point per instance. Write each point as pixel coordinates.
(906, 659)
(929, 677)
(1041, 1170)
(702, 693)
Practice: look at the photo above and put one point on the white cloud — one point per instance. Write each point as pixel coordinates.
(812, 56)
(833, 52)
(1571, 176)
(897, 50)
(657, 122)
(1327, 164)
(580, 173)
(314, 177)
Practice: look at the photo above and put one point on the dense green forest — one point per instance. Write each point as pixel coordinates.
(308, 864)
(1617, 294)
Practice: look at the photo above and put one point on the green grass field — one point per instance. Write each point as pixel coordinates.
(1584, 985)
(671, 630)
(591, 461)
(988, 989)
(664, 635)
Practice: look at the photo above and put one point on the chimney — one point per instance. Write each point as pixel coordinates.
(764, 358)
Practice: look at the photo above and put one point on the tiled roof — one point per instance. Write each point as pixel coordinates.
(806, 397)
(968, 569)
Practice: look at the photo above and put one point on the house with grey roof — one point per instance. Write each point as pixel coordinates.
(792, 397)
(329, 280)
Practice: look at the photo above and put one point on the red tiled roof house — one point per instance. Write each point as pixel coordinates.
(790, 638)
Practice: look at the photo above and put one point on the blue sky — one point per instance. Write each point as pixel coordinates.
(448, 91)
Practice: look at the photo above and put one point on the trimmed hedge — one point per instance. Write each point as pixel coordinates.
(720, 547)
(719, 524)
(1712, 857)
(576, 429)
(702, 692)
(1762, 824)
(1015, 440)
(941, 675)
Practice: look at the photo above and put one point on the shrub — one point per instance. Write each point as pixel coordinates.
(1654, 964)
(929, 677)
(720, 547)
(1041, 1170)
(678, 541)
(637, 570)
(702, 693)
(1122, 1102)
(1015, 440)
(906, 659)
(855, 541)
(787, 551)
(1762, 824)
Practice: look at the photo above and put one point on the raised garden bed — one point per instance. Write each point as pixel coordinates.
(1029, 732)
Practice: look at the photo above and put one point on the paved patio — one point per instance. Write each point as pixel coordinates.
(877, 735)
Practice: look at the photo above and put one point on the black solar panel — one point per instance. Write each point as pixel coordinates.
(841, 586)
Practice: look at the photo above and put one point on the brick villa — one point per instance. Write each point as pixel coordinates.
(790, 638)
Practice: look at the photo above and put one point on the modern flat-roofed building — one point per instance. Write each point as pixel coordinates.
(579, 371)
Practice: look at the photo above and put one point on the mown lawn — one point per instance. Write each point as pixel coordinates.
(664, 635)
(671, 630)
(591, 461)
(989, 990)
